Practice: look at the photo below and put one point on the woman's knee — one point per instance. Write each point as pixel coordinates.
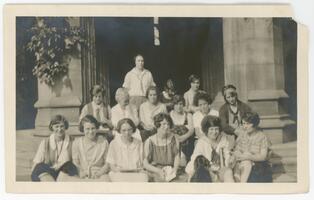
(247, 164)
(43, 172)
(45, 177)
(69, 168)
(228, 175)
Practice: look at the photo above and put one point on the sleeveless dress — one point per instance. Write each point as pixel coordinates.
(160, 155)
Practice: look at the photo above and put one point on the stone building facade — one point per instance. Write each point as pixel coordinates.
(252, 54)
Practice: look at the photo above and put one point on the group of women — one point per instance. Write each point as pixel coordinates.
(153, 136)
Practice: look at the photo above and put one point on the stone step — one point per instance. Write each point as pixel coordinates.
(285, 178)
(281, 168)
(287, 164)
(284, 165)
(284, 150)
(283, 160)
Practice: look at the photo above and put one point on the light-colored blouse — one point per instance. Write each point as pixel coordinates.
(89, 158)
(126, 156)
(117, 113)
(148, 111)
(204, 147)
(198, 116)
(254, 143)
(137, 82)
(56, 153)
(100, 112)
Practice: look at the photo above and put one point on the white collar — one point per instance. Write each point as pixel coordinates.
(134, 70)
(95, 106)
(121, 109)
(52, 141)
(123, 145)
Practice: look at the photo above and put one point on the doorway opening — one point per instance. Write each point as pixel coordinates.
(187, 46)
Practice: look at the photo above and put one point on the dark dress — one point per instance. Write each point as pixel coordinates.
(224, 112)
(187, 146)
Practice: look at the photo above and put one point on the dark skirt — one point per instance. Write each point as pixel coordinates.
(187, 146)
(68, 168)
(261, 173)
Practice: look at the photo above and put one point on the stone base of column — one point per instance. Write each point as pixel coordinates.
(68, 106)
(275, 122)
(279, 128)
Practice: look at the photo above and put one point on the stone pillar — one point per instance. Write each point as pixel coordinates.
(253, 62)
(64, 98)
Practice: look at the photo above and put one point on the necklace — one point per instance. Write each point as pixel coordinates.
(160, 150)
(59, 153)
(235, 115)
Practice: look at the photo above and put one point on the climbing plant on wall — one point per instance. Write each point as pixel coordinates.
(52, 40)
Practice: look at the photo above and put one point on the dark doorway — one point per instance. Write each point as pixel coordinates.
(183, 48)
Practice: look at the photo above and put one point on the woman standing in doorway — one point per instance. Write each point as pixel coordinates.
(137, 81)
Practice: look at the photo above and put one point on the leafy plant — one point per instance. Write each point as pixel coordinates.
(53, 39)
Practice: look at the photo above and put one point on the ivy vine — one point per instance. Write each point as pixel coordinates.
(52, 39)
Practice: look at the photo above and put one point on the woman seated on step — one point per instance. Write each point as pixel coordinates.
(125, 155)
(148, 110)
(203, 101)
(100, 110)
(251, 151)
(162, 157)
(89, 152)
(215, 147)
(183, 126)
(189, 96)
(166, 96)
(54, 153)
(123, 109)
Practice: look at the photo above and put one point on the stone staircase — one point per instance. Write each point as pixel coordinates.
(284, 162)
(283, 158)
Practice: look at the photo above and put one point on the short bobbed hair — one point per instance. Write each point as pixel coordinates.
(209, 121)
(122, 93)
(97, 89)
(58, 119)
(137, 55)
(252, 118)
(177, 99)
(160, 117)
(126, 121)
(88, 119)
(225, 88)
(150, 88)
(193, 78)
(202, 95)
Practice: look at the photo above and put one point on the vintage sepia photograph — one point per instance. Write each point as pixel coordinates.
(156, 99)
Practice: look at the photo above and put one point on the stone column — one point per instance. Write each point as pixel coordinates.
(64, 98)
(253, 62)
